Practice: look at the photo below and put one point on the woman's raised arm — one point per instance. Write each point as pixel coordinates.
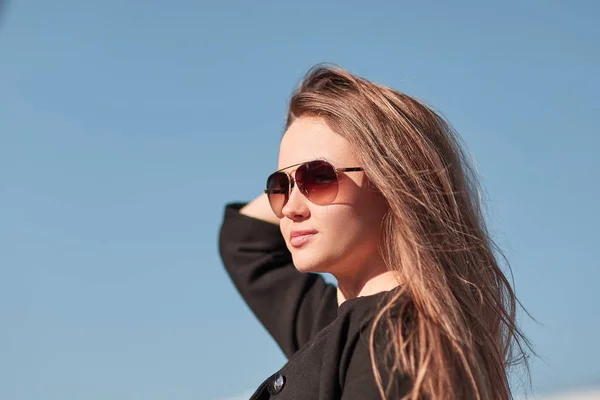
(293, 306)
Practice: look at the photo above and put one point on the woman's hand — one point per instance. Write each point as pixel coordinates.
(259, 208)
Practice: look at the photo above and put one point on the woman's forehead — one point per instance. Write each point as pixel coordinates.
(311, 138)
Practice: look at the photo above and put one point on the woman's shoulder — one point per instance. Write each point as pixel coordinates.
(350, 332)
(361, 311)
(358, 341)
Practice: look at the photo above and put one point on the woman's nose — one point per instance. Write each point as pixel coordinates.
(296, 207)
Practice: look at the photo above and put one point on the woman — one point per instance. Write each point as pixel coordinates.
(373, 188)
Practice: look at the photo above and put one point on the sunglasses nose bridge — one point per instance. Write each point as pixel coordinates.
(299, 184)
(292, 181)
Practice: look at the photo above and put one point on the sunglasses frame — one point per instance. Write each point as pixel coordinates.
(292, 177)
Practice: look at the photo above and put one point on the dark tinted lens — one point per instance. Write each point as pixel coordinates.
(318, 181)
(278, 188)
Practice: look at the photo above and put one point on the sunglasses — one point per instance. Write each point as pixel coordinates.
(317, 180)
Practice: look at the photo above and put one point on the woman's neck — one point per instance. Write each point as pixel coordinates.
(380, 280)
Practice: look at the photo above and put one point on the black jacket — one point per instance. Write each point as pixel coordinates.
(327, 347)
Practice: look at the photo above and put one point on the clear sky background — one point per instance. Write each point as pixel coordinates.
(126, 126)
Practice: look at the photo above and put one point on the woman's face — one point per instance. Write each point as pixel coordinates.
(343, 235)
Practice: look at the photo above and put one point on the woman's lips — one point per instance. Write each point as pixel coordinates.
(300, 238)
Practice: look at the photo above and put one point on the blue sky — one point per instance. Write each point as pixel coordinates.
(126, 126)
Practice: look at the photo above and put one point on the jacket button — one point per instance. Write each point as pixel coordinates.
(276, 384)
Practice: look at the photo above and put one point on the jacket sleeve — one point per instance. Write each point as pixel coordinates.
(291, 305)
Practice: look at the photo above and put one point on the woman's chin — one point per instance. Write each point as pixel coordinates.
(305, 263)
(307, 268)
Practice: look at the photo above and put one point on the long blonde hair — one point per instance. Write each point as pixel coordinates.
(453, 323)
